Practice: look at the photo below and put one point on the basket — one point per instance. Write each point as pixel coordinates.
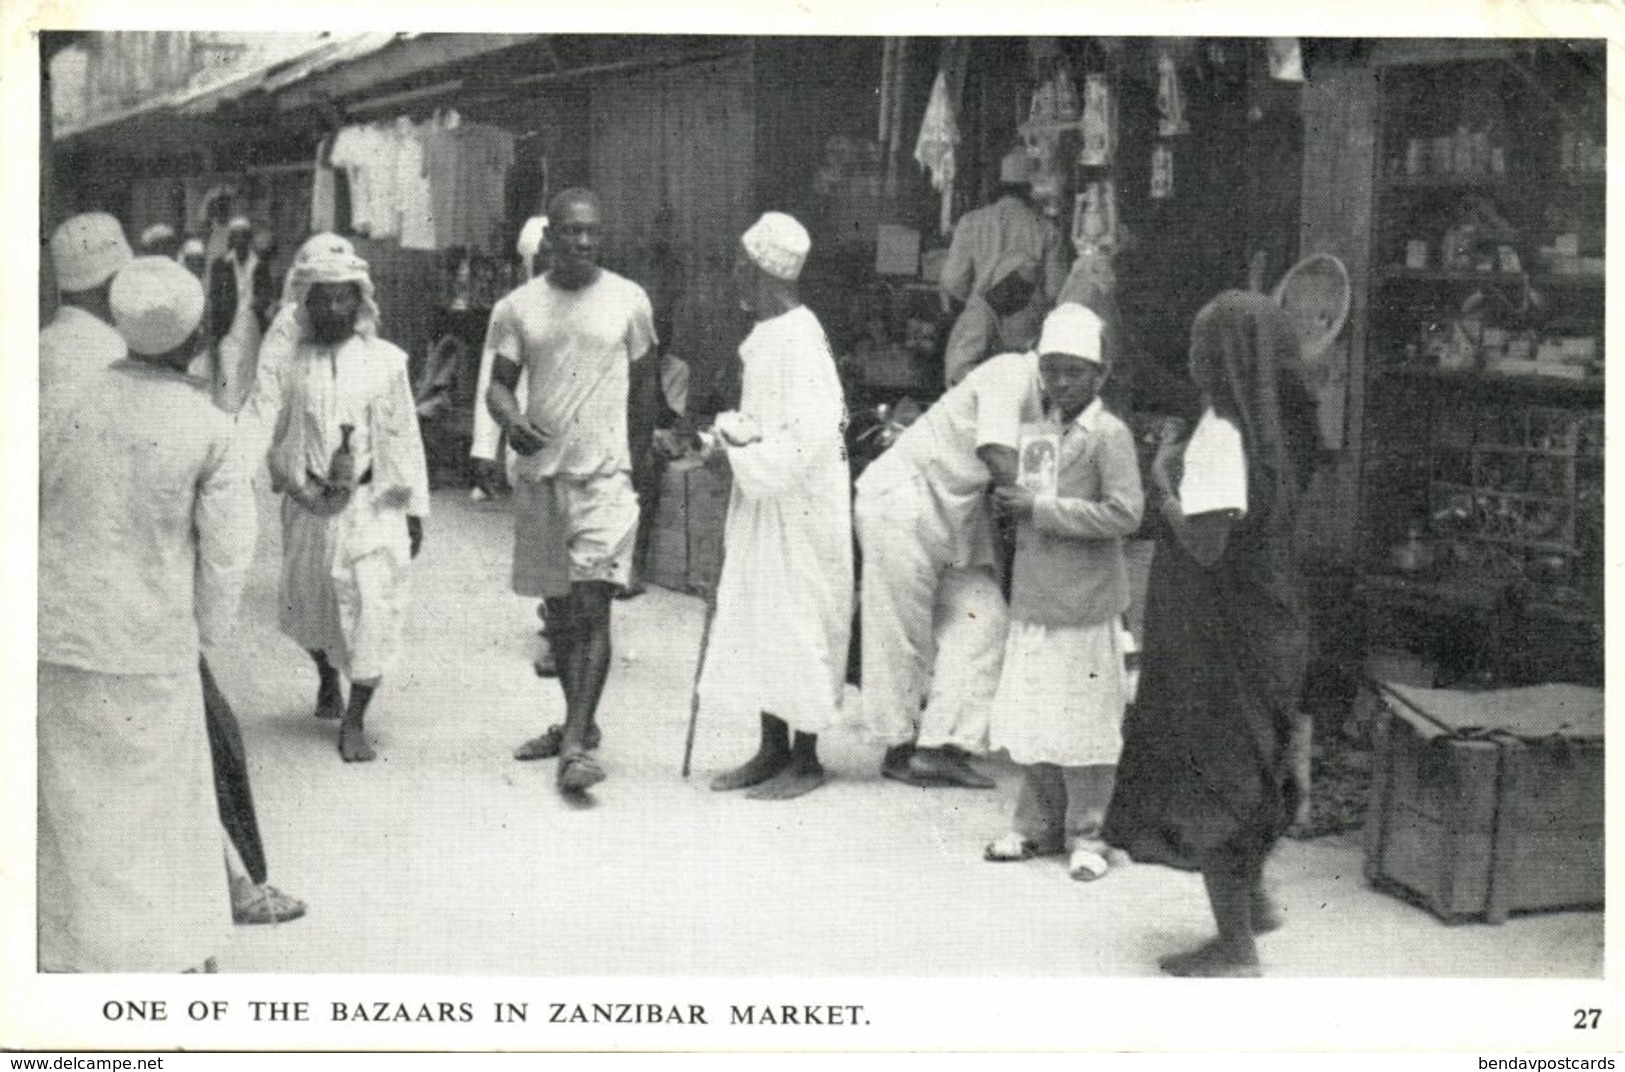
(1316, 293)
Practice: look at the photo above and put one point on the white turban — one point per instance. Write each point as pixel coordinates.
(332, 260)
(778, 244)
(157, 305)
(1074, 330)
(158, 232)
(87, 249)
(322, 243)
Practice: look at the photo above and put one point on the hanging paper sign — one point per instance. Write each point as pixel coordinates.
(1162, 172)
(1096, 125)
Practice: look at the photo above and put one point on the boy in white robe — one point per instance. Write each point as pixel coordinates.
(347, 454)
(778, 644)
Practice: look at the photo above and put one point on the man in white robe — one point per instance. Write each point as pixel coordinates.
(347, 455)
(146, 535)
(934, 619)
(86, 252)
(778, 644)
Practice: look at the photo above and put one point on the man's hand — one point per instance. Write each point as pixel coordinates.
(414, 533)
(668, 444)
(1013, 501)
(524, 437)
(1169, 465)
(320, 497)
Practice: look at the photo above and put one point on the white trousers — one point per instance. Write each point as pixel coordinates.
(933, 632)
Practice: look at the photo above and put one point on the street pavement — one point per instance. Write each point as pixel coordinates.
(448, 857)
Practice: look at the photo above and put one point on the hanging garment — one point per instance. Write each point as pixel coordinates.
(323, 190)
(1162, 171)
(412, 187)
(240, 347)
(1286, 59)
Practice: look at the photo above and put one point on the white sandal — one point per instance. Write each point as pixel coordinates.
(1087, 865)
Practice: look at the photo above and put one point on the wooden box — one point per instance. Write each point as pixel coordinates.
(685, 551)
(1489, 803)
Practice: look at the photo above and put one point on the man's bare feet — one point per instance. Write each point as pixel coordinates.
(796, 780)
(1217, 959)
(551, 742)
(759, 768)
(329, 698)
(1266, 914)
(940, 766)
(353, 744)
(578, 772)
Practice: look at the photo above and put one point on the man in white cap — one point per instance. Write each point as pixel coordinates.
(129, 864)
(240, 301)
(777, 647)
(984, 239)
(86, 251)
(159, 240)
(934, 619)
(348, 457)
(584, 338)
(192, 256)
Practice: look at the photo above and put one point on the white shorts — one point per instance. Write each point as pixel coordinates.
(569, 530)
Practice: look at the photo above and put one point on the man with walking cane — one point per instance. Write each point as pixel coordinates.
(775, 646)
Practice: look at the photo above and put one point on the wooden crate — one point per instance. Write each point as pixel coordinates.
(1489, 803)
(685, 551)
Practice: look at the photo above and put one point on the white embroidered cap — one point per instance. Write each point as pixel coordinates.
(778, 245)
(239, 223)
(158, 232)
(87, 249)
(192, 247)
(1074, 330)
(157, 304)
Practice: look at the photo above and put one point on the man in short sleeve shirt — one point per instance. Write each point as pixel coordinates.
(583, 337)
(934, 619)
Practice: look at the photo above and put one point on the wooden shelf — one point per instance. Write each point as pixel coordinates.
(1446, 182)
(1539, 280)
(1455, 595)
(1590, 390)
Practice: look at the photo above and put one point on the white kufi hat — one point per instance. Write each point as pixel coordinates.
(1075, 330)
(87, 249)
(778, 245)
(157, 304)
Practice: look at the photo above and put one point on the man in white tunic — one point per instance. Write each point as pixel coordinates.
(583, 338)
(778, 645)
(934, 620)
(86, 252)
(347, 455)
(146, 535)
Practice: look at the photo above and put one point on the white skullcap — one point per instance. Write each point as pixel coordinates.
(239, 223)
(530, 237)
(1074, 330)
(87, 249)
(157, 304)
(158, 232)
(1016, 168)
(778, 244)
(193, 247)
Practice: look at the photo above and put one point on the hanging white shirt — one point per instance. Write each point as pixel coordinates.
(784, 601)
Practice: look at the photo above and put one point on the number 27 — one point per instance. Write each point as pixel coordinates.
(1586, 1018)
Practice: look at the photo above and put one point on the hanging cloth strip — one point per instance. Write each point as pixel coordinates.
(1170, 99)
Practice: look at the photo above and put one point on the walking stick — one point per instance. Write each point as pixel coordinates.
(694, 696)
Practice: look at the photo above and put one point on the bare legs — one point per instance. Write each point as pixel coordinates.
(578, 631)
(1241, 909)
(780, 769)
(353, 746)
